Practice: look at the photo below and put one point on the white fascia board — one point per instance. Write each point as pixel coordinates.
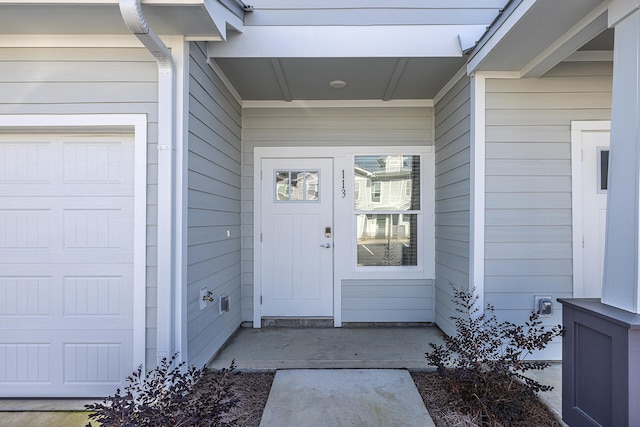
(620, 9)
(376, 41)
(506, 27)
(363, 103)
(589, 27)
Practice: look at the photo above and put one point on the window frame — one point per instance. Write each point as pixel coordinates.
(420, 213)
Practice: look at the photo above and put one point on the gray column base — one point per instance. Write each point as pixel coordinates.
(600, 365)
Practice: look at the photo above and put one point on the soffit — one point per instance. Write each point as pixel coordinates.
(544, 22)
(191, 19)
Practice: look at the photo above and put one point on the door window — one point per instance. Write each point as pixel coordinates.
(297, 186)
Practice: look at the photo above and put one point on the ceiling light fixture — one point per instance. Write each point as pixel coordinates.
(337, 84)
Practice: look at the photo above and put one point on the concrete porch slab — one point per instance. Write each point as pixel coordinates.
(269, 349)
(344, 397)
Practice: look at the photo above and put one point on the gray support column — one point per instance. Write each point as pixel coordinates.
(621, 281)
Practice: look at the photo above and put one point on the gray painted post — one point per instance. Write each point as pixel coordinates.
(601, 346)
(620, 286)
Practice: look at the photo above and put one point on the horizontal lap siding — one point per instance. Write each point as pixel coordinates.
(452, 152)
(92, 81)
(387, 301)
(309, 127)
(214, 206)
(528, 183)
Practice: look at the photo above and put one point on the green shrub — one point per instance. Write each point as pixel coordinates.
(483, 364)
(169, 395)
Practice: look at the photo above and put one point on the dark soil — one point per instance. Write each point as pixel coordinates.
(252, 390)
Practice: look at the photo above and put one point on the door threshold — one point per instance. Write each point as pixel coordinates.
(297, 322)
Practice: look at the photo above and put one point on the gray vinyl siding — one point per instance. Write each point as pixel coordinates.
(213, 259)
(308, 127)
(373, 12)
(387, 301)
(528, 243)
(452, 182)
(92, 81)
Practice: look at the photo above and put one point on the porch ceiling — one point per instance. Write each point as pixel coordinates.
(288, 79)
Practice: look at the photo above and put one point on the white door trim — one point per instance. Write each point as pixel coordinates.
(577, 129)
(137, 123)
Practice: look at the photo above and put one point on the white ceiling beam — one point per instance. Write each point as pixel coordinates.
(590, 56)
(585, 30)
(376, 41)
(395, 78)
(282, 80)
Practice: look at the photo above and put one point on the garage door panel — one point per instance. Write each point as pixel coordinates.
(104, 162)
(73, 166)
(26, 162)
(66, 264)
(73, 227)
(67, 367)
(82, 302)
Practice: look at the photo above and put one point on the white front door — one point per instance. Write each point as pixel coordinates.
(594, 155)
(66, 264)
(297, 238)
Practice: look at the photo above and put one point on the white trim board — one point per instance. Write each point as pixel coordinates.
(477, 184)
(356, 103)
(102, 122)
(577, 128)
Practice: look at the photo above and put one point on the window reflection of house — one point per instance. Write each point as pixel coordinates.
(297, 185)
(386, 229)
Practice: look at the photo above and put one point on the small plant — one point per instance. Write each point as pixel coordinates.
(483, 365)
(169, 395)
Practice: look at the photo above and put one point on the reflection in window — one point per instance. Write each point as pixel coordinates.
(297, 185)
(387, 209)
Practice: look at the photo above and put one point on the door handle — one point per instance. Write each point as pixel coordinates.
(326, 245)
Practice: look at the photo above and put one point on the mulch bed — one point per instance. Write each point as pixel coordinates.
(252, 391)
(436, 399)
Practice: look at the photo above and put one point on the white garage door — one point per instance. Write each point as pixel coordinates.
(66, 264)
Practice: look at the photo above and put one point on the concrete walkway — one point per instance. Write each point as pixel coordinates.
(349, 397)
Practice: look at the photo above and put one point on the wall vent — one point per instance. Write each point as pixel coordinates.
(224, 304)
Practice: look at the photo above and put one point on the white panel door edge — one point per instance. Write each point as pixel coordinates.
(588, 140)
